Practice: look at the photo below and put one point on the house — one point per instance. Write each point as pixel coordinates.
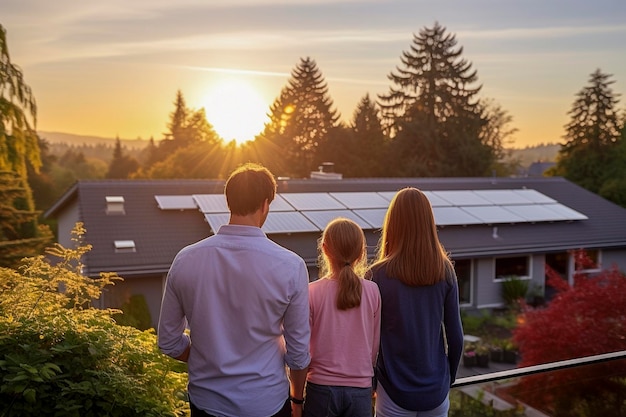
(493, 228)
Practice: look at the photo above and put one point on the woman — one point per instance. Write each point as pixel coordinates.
(345, 326)
(421, 333)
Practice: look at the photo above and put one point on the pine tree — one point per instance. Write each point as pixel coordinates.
(369, 145)
(592, 134)
(121, 166)
(433, 112)
(302, 121)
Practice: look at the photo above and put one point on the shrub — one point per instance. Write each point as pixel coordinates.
(61, 357)
(514, 290)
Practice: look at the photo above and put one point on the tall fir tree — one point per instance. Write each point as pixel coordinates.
(432, 110)
(302, 121)
(592, 134)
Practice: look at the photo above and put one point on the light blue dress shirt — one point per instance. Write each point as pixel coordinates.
(244, 299)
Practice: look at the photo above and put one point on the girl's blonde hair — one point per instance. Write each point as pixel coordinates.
(409, 248)
(343, 255)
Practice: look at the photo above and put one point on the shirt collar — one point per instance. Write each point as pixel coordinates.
(239, 230)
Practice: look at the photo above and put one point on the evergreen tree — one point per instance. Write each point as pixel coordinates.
(121, 166)
(432, 111)
(20, 234)
(368, 147)
(592, 135)
(187, 127)
(18, 116)
(302, 121)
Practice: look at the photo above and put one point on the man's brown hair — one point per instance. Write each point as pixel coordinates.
(248, 187)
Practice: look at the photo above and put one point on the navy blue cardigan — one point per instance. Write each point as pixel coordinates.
(415, 364)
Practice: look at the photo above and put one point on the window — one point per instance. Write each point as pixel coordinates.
(518, 266)
(115, 205)
(124, 246)
(587, 260)
(463, 268)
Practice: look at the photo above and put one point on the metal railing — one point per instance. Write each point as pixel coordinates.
(530, 370)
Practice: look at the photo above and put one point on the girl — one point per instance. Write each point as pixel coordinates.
(345, 326)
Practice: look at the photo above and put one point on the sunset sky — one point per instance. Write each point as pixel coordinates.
(112, 67)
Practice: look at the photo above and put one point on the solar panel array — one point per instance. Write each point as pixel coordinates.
(311, 212)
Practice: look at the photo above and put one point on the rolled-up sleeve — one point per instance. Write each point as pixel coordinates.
(297, 330)
(171, 336)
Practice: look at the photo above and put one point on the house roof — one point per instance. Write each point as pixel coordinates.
(159, 234)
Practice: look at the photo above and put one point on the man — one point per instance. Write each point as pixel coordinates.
(244, 300)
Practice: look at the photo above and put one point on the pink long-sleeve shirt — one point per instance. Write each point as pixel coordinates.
(344, 343)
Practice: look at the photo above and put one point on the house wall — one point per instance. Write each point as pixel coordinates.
(150, 287)
(65, 223)
(614, 257)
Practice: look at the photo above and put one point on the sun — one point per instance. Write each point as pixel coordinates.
(236, 110)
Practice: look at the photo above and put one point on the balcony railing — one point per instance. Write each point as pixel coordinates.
(486, 387)
(530, 370)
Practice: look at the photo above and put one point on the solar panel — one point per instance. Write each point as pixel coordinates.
(503, 197)
(288, 222)
(175, 202)
(566, 212)
(361, 200)
(453, 216)
(375, 217)
(435, 200)
(321, 218)
(216, 220)
(535, 213)
(493, 214)
(312, 201)
(279, 204)
(387, 195)
(211, 203)
(535, 196)
(462, 198)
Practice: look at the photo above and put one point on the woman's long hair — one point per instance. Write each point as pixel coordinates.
(343, 256)
(409, 248)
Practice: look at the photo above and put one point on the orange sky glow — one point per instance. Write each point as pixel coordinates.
(113, 68)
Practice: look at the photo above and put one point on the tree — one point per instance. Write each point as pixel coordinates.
(592, 134)
(18, 116)
(187, 128)
(302, 121)
(497, 133)
(121, 166)
(368, 147)
(581, 320)
(432, 111)
(20, 233)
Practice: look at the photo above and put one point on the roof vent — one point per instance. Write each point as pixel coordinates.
(115, 205)
(326, 171)
(123, 246)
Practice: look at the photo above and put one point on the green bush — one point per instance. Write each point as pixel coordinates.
(514, 290)
(61, 357)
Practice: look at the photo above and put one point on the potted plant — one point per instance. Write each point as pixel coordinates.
(482, 355)
(509, 352)
(469, 355)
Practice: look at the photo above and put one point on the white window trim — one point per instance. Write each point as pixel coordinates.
(523, 277)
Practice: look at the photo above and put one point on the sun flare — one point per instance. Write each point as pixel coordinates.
(236, 110)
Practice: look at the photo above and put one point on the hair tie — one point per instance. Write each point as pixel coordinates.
(346, 264)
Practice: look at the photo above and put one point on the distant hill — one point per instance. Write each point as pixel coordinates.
(538, 153)
(526, 156)
(80, 140)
